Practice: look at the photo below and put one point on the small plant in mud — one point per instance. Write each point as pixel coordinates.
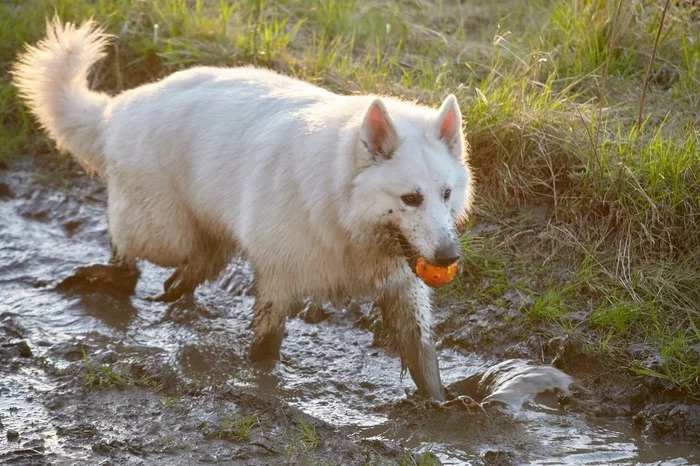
(104, 376)
(195, 385)
(168, 401)
(482, 273)
(426, 459)
(171, 402)
(679, 366)
(165, 441)
(241, 427)
(305, 437)
(231, 427)
(549, 306)
(148, 381)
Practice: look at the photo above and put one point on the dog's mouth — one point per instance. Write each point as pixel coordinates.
(432, 275)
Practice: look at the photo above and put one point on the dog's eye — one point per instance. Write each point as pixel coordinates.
(414, 199)
(446, 194)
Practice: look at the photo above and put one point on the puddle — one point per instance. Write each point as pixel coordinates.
(330, 370)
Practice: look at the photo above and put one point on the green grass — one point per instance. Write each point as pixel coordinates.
(237, 426)
(305, 438)
(426, 459)
(105, 376)
(550, 305)
(550, 94)
(483, 271)
(232, 426)
(174, 404)
(166, 441)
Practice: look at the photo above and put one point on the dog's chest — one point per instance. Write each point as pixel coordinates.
(361, 270)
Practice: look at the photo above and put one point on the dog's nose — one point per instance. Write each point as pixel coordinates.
(446, 254)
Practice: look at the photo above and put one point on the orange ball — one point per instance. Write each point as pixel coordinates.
(433, 275)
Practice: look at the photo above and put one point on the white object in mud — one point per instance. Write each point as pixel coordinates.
(514, 381)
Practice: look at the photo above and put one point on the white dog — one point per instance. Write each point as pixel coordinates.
(325, 195)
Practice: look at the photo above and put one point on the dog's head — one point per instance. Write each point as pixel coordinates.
(413, 182)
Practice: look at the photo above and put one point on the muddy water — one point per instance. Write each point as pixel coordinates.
(330, 369)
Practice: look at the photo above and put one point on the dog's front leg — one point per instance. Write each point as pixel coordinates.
(269, 316)
(406, 312)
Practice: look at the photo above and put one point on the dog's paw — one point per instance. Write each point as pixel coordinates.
(265, 348)
(118, 280)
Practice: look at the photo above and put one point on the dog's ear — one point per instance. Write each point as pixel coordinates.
(449, 125)
(378, 133)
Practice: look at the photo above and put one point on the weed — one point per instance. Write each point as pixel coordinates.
(426, 459)
(107, 377)
(308, 438)
(483, 270)
(168, 401)
(231, 427)
(549, 306)
(175, 404)
(617, 316)
(305, 437)
(148, 381)
(680, 366)
(103, 376)
(195, 385)
(166, 440)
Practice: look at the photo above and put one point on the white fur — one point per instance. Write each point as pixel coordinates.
(52, 76)
(274, 165)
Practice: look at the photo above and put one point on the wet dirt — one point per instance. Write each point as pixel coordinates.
(88, 376)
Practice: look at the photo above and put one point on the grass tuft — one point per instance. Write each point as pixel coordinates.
(103, 376)
(426, 459)
(233, 426)
(305, 437)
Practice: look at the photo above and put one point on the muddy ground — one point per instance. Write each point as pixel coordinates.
(90, 377)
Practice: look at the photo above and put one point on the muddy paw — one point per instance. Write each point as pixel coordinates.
(265, 348)
(465, 403)
(172, 295)
(314, 313)
(415, 403)
(175, 287)
(115, 279)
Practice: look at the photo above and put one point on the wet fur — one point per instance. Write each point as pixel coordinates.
(213, 162)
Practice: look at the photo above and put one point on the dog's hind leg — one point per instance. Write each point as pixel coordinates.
(184, 281)
(181, 282)
(406, 315)
(172, 279)
(209, 258)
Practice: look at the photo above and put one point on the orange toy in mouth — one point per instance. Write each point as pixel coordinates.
(433, 275)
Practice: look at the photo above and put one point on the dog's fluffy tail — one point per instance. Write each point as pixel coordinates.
(51, 77)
